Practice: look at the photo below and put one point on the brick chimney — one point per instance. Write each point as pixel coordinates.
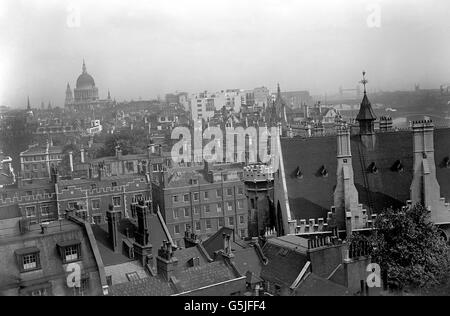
(190, 239)
(118, 152)
(227, 245)
(166, 263)
(142, 246)
(113, 227)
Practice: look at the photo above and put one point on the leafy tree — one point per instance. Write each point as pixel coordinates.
(410, 248)
(130, 142)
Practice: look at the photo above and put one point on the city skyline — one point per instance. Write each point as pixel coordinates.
(146, 49)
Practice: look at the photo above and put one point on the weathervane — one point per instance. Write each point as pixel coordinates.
(364, 81)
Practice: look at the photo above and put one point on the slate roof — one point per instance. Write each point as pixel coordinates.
(365, 111)
(144, 287)
(40, 150)
(284, 263)
(215, 242)
(184, 255)
(247, 260)
(311, 196)
(314, 285)
(204, 275)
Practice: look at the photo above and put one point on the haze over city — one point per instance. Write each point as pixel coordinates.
(142, 49)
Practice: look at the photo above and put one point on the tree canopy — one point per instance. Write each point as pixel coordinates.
(410, 248)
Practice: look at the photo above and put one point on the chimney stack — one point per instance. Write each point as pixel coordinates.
(113, 227)
(425, 188)
(118, 152)
(166, 263)
(226, 244)
(142, 246)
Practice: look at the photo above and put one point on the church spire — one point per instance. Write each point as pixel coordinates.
(84, 66)
(28, 104)
(366, 115)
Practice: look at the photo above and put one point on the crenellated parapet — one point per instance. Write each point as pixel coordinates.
(358, 219)
(28, 199)
(71, 192)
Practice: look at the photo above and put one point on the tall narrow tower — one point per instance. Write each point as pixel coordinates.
(366, 119)
(349, 214)
(425, 188)
(69, 95)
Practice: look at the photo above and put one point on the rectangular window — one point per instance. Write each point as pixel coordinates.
(196, 210)
(240, 190)
(71, 253)
(220, 221)
(177, 229)
(219, 193)
(240, 204)
(95, 204)
(229, 206)
(219, 208)
(241, 219)
(208, 223)
(186, 212)
(45, 210)
(206, 208)
(73, 205)
(242, 233)
(117, 201)
(198, 226)
(231, 221)
(39, 292)
(196, 196)
(114, 184)
(130, 166)
(175, 213)
(229, 191)
(175, 198)
(30, 212)
(30, 262)
(206, 194)
(186, 197)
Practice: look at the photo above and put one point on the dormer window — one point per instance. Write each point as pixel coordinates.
(70, 251)
(298, 173)
(323, 171)
(28, 259)
(397, 166)
(372, 168)
(446, 162)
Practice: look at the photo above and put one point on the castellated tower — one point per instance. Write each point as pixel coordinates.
(348, 214)
(425, 188)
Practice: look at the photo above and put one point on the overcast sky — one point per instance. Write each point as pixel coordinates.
(143, 48)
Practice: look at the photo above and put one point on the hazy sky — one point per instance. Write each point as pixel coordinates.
(143, 48)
